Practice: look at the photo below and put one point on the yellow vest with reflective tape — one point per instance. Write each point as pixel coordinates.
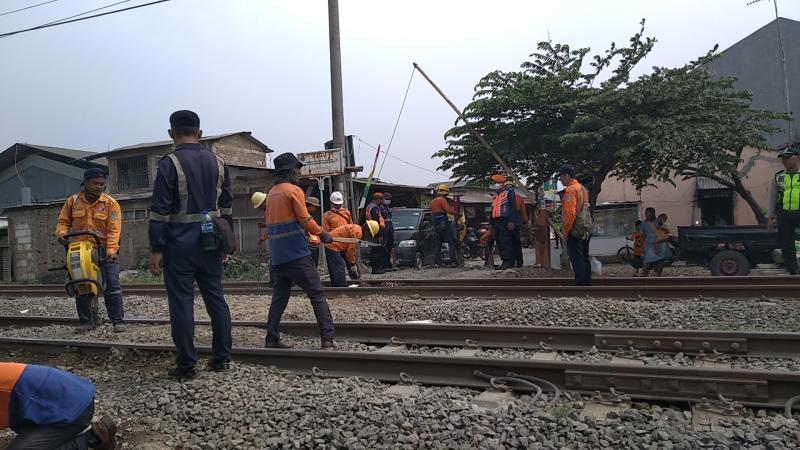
(788, 191)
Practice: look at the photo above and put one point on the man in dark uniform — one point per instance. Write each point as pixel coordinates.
(378, 258)
(288, 224)
(388, 233)
(190, 181)
(784, 205)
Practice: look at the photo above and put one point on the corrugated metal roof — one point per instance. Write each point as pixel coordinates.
(17, 152)
(704, 183)
(165, 143)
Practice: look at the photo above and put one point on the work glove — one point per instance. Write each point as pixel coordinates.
(353, 272)
(63, 240)
(325, 237)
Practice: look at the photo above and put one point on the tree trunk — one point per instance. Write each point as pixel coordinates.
(743, 192)
(597, 185)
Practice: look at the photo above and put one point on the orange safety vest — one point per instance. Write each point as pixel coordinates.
(9, 374)
(500, 205)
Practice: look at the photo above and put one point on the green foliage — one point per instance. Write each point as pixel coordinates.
(238, 268)
(669, 122)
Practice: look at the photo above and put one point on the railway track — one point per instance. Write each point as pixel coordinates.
(622, 288)
(661, 383)
(567, 339)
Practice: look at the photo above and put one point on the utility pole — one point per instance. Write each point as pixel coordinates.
(340, 182)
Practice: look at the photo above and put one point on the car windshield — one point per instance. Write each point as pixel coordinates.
(405, 220)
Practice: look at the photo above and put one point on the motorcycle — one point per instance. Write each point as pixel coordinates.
(471, 246)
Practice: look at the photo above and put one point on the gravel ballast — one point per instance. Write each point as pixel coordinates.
(256, 407)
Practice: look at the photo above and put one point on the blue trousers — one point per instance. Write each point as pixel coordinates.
(302, 272)
(337, 268)
(181, 270)
(578, 250)
(112, 295)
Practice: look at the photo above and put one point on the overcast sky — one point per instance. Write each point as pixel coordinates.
(262, 65)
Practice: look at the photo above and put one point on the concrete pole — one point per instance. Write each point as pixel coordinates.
(337, 101)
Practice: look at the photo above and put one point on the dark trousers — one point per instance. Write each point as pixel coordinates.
(378, 257)
(504, 241)
(443, 232)
(787, 222)
(302, 272)
(337, 268)
(181, 270)
(578, 250)
(388, 244)
(49, 437)
(516, 245)
(112, 295)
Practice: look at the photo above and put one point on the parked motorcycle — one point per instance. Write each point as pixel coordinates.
(471, 246)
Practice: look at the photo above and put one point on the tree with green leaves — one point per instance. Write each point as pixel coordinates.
(559, 109)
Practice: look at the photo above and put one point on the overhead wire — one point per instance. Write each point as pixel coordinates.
(26, 8)
(78, 19)
(401, 160)
(87, 12)
(397, 122)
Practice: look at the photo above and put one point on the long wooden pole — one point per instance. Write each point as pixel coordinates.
(486, 144)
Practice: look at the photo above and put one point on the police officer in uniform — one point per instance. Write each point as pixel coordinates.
(176, 213)
(95, 211)
(288, 221)
(784, 205)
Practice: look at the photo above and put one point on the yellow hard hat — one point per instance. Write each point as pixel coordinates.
(373, 226)
(444, 188)
(258, 199)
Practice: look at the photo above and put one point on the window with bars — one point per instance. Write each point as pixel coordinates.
(132, 173)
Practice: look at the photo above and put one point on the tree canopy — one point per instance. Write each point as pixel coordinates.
(562, 108)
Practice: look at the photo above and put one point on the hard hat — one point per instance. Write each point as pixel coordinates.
(497, 178)
(258, 199)
(336, 198)
(374, 228)
(444, 188)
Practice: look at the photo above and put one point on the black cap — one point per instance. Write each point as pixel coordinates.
(184, 119)
(791, 150)
(387, 195)
(94, 172)
(567, 169)
(287, 161)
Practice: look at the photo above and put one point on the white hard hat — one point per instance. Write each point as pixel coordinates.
(336, 198)
(258, 199)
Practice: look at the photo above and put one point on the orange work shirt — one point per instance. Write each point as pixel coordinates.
(103, 217)
(575, 195)
(441, 205)
(638, 243)
(523, 211)
(345, 231)
(335, 219)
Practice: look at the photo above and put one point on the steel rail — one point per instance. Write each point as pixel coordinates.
(567, 282)
(668, 292)
(567, 339)
(661, 383)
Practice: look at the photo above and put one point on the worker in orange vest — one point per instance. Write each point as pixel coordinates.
(288, 222)
(51, 409)
(575, 198)
(337, 216)
(341, 256)
(94, 210)
(442, 230)
(505, 221)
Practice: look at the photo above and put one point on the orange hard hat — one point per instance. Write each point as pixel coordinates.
(497, 178)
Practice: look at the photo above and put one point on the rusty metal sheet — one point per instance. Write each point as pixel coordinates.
(323, 163)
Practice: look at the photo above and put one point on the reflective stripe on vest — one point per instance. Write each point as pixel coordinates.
(9, 374)
(183, 192)
(788, 193)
